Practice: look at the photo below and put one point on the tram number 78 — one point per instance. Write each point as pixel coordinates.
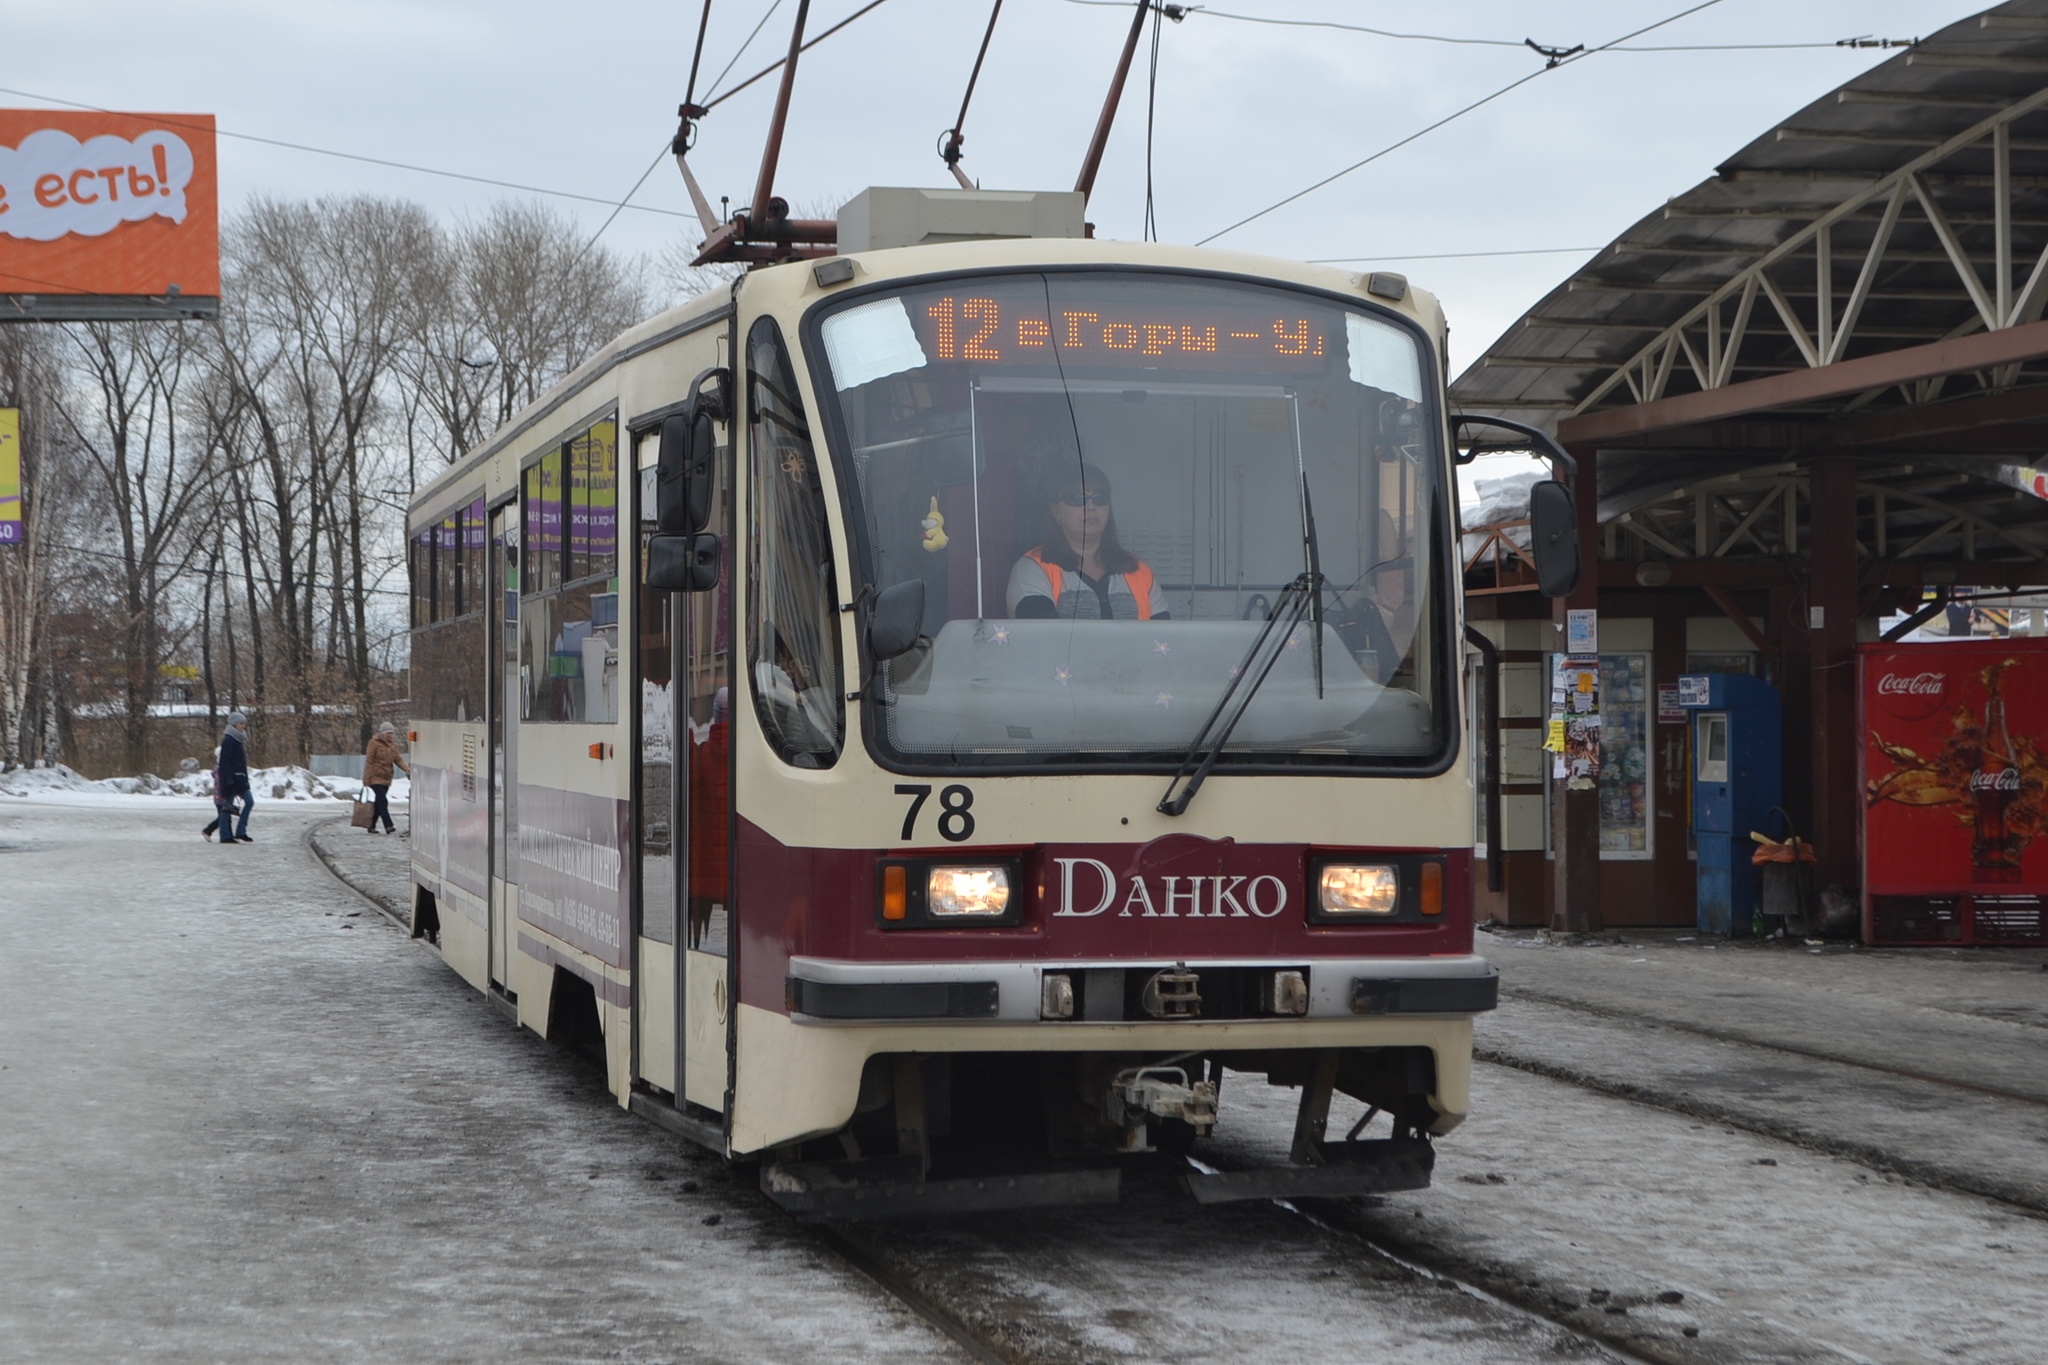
(956, 822)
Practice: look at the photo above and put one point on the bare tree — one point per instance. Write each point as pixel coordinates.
(146, 486)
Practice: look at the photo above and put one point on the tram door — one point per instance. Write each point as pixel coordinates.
(504, 712)
(683, 808)
(704, 760)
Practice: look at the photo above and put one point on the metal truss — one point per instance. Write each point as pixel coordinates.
(1708, 338)
(1713, 518)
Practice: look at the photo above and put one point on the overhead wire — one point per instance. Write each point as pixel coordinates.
(1555, 65)
(1497, 42)
(347, 156)
(709, 89)
(1456, 255)
(777, 64)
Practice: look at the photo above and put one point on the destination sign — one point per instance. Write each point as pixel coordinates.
(988, 328)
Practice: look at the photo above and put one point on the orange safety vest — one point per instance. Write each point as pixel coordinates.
(1138, 580)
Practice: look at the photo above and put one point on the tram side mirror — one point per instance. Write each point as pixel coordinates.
(686, 467)
(682, 563)
(897, 621)
(1554, 537)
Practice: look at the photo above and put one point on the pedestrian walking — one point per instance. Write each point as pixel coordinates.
(219, 808)
(378, 760)
(234, 778)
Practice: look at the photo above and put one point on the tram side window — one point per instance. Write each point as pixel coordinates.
(448, 616)
(569, 582)
(421, 559)
(792, 591)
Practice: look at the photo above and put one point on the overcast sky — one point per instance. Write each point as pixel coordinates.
(581, 99)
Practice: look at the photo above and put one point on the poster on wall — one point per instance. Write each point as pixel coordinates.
(1955, 768)
(107, 216)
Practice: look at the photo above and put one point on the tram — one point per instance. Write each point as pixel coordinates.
(926, 713)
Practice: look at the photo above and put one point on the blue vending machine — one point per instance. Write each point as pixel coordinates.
(1738, 772)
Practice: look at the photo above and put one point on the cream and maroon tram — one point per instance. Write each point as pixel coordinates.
(927, 712)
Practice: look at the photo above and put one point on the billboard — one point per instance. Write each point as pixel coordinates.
(10, 476)
(107, 216)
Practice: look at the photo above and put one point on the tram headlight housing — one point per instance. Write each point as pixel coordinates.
(932, 893)
(1366, 890)
(977, 892)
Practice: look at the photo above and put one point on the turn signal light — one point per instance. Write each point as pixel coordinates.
(895, 893)
(1432, 888)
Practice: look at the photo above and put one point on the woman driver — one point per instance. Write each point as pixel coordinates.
(1080, 572)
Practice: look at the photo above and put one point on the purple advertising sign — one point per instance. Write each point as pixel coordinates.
(574, 880)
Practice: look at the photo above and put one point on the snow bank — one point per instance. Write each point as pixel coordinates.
(289, 783)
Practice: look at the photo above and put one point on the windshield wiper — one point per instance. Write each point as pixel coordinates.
(1297, 599)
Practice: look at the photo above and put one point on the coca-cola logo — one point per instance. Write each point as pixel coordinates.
(2007, 781)
(1912, 685)
(1905, 692)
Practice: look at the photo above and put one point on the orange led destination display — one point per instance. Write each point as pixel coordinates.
(989, 329)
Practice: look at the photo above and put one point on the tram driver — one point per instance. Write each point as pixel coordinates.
(1079, 570)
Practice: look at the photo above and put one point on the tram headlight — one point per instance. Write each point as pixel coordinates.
(967, 892)
(1360, 889)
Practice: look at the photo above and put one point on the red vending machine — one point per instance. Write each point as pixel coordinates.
(1955, 792)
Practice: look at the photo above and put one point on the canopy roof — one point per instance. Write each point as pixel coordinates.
(1869, 276)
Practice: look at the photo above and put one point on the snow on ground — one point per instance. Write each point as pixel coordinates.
(64, 786)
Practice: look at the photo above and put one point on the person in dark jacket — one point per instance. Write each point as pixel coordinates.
(219, 808)
(234, 778)
(378, 760)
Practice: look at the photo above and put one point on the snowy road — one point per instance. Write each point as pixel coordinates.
(243, 1118)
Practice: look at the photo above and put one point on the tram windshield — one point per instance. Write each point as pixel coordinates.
(1104, 480)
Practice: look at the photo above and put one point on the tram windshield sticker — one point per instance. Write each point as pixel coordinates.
(1105, 483)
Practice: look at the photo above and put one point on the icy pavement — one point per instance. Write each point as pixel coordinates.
(245, 1120)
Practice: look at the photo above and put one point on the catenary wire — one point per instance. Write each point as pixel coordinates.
(1486, 42)
(776, 65)
(712, 88)
(1555, 65)
(1455, 255)
(350, 156)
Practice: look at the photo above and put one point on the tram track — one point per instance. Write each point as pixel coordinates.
(1076, 1271)
(902, 1279)
(1938, 1171)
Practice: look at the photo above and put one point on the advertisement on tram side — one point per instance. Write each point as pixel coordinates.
(108, 204)
(1955, 768)
(574, 880)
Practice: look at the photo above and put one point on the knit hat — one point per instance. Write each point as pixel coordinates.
(237, 718)
(387, 728)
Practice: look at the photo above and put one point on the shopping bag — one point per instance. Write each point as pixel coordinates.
(364, 815)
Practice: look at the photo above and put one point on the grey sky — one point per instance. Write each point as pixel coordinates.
(581, 98)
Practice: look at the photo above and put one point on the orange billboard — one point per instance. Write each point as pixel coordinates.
(101, 212)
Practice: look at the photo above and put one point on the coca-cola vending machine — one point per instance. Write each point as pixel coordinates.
(1955, 791)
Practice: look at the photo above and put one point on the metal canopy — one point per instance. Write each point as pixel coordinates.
(1869, 278)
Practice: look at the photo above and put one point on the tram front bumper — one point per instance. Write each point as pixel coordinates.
(819, 991)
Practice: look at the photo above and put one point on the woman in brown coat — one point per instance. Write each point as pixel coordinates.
(378, 760)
